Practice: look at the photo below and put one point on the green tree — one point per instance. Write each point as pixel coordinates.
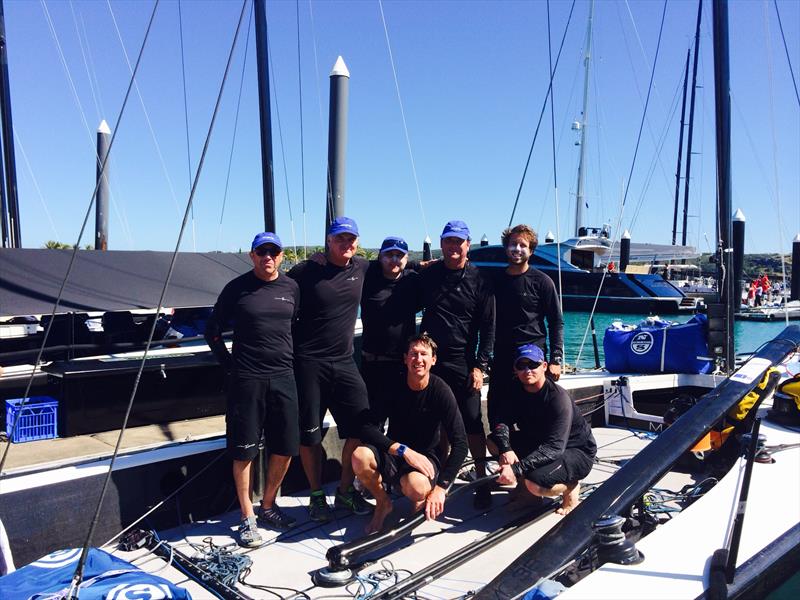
(54, 245)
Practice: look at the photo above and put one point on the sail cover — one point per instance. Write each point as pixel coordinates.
(113, 280)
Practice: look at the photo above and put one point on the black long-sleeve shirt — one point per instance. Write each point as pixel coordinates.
(414, 420)
(459, 314)
(388, 309)
(549, 422)
(261, 313)
(523, 304)
(329, 299)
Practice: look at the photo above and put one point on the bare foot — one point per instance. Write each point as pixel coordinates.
(379, 516)
(569, 499)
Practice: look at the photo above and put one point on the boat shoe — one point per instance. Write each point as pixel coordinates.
(248, 535)
(274, 517)
(353, 501)
(318, 508)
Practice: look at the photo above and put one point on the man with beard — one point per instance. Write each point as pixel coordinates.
(525, 299)
(459, 316)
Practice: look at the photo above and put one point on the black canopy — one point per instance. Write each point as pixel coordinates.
(111, 280)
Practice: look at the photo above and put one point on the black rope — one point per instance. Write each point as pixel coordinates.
(75, 249)
(77, 577)
(185, 101)
(302, 143)
(786, 49)
(541, 114)
(236, 119)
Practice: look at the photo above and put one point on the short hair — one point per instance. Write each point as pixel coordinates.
(524, 231)
(424, 339)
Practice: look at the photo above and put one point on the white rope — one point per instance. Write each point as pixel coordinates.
(403, 116)
(774, 159)
(36, 185)
(146, 114)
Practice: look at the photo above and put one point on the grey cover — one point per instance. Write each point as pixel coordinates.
(111, 280)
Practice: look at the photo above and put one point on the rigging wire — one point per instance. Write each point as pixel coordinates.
(786, 49)
(403, 117)
(235, 129)
(145, 113)
(321, 119)
(553, 144)
(770, 77)
(186, 115)
(35, 182)
(302, 135)
(79, 569)
(73, 254)
(283, 148)
(541, 114)
(85, 62)
(628, 183)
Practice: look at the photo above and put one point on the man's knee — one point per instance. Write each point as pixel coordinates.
(415, 486)
(363, 460)
(535, 489)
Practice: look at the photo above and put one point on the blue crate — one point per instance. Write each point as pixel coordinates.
(38, 419)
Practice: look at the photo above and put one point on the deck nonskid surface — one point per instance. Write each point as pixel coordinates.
(288, 559)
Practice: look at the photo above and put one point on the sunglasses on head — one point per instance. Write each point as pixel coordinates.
(263, 251)
(527, 365)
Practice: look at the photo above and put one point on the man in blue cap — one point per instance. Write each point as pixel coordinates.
(262, 398)
(459, 316)
(327, 376)
(552, 447)
(388, 317)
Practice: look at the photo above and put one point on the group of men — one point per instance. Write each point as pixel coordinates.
(292, 361)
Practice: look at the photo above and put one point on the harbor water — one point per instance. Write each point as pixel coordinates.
(749, 335)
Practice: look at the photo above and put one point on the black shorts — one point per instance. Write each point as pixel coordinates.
(393, 468)
(467, 398)
(262, 405)
(379, 377)
(501, 384)
(335, 386)
(573, 465)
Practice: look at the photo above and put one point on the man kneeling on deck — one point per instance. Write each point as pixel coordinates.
(552, 448)
(416, 410)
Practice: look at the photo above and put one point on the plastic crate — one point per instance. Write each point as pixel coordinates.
(38, 419)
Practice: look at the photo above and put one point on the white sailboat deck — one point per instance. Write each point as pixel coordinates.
(288, 560)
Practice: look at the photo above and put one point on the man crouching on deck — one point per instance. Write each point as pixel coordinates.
(408, 455)
(553, 448)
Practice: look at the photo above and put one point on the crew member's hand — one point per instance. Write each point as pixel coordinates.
(554, 371)
(507, 476)
(419, 462)
(508, 458)
(434, 503)
(319, 258)
(476, 377)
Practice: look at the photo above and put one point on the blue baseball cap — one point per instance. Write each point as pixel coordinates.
(457, 229)
(530, 352)
(343, 225)
(266, 237)
(394, 243)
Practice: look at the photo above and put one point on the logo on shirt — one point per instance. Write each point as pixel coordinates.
(642, 342)
(282, 299)
(245, 446)
(353, 278)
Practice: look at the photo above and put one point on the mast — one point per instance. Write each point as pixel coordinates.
(691, 122)
(10, 199)
(680, 152)
(723, 124)
(337, 140)
(579, 202)
(262, 56)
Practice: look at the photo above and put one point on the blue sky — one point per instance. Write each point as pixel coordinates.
(472, 77)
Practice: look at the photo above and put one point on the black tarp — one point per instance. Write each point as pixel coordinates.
(111, 280)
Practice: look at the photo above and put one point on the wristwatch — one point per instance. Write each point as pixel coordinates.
(401, 450)
(556, 360)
